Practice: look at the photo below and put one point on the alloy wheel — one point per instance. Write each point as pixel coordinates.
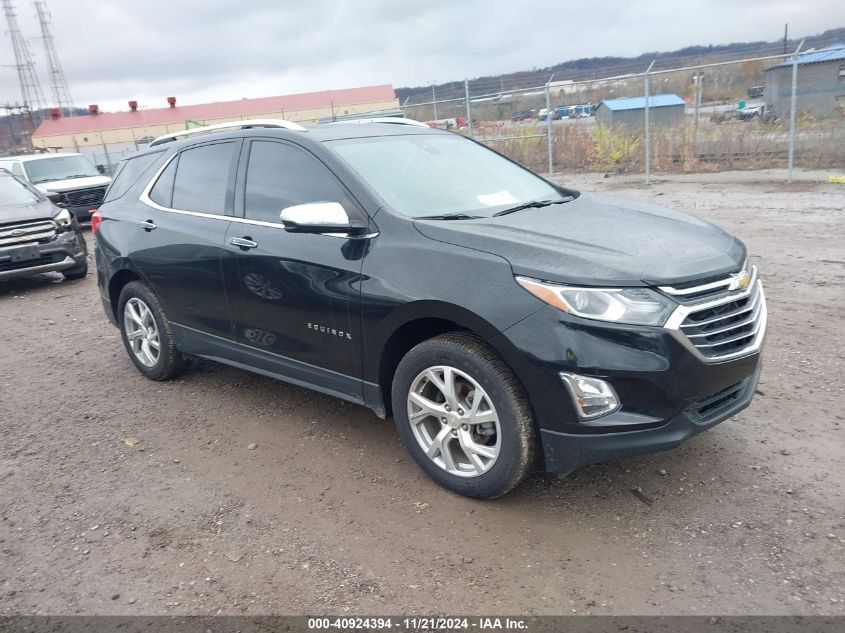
(141, 331)
(454, 421)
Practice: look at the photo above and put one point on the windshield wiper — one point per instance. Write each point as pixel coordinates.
(77, 176)
(448, 216)
(534, 204)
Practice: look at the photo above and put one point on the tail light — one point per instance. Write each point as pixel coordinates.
(95, 220)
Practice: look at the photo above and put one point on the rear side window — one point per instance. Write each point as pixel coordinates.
(128, 173)
(162, 191)
(280, 175)
(202, 178)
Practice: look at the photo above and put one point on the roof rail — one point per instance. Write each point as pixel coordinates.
(231, 125)
(394, 120)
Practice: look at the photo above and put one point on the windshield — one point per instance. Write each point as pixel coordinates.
(59, 168)
(14, 192)
(435, 175)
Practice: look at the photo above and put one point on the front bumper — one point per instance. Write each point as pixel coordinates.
(67, 250)
(668, 393)
(564, 452)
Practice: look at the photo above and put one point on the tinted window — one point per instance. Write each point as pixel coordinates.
(162, 191)
(128, 173)
(279, 176)
(202, 178)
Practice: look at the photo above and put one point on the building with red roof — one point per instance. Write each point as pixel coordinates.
(99, 129)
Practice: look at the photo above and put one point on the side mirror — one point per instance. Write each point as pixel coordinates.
(101, 169)
(319, 217)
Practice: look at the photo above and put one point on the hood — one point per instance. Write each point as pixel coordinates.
(73, 184)
(44, 210)
(599, 240)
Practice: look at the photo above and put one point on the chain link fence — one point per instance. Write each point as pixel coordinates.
(765, 112)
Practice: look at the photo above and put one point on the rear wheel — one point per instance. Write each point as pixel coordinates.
(146, 333)
(463, 416)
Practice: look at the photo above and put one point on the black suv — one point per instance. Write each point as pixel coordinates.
(496, 316)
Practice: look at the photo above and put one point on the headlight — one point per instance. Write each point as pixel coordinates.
(63, 219)
(634, 306)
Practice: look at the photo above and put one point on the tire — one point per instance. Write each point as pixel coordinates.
(148, 317)
(460, 453)
(77, 272)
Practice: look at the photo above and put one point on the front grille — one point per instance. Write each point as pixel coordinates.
(27, 233)
(88, 198)
(8, 265)
(727, 323)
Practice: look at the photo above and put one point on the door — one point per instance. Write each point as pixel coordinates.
(181, 238)
(296, 301)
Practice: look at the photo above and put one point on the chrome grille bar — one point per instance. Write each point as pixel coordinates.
(738, 338)
(26, 232)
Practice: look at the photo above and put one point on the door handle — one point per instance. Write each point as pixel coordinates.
(243, 242)
(147, 225)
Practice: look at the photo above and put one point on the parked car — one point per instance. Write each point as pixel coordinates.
(565, 112)
(36, 236)
(501, 319)
(523, 115)
(79, 182)
(749, 112)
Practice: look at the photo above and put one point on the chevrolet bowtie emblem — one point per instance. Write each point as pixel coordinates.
(740, 281)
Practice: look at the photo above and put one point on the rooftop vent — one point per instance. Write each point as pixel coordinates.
(93, 108)
(55, 113)
(133, 105)
(171, 101)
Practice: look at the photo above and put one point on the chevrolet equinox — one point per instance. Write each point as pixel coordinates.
(501, 319)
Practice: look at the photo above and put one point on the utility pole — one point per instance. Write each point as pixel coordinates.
(549, 123)
(792, 104)
(58, 82)
(647, 132)
(468, 107)
(33, 98)
(785, 36)
(434, 100)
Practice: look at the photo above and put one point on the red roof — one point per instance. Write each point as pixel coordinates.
(220, 110)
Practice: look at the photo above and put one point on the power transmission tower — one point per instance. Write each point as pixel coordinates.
(58, 83)
(33, 98)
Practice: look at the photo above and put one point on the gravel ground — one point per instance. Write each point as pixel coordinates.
(227, 492)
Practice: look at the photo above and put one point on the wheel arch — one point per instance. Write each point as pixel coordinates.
(414, 323)
(122, 276)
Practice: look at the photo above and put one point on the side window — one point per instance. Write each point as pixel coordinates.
(128, 173)
(280, 175)
(162, 191)
(202, 178)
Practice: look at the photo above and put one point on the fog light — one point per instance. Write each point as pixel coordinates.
(592, 397)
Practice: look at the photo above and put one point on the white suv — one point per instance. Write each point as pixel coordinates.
(79, 182)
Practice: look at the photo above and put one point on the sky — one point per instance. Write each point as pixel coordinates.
(209, 50)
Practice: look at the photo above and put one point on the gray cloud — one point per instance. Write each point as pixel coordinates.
(211, 50)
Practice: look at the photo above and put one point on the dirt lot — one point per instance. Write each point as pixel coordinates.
(329, 514)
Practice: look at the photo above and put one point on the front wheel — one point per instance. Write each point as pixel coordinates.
(464, 416)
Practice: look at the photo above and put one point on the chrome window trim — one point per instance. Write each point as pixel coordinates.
(144, 198)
